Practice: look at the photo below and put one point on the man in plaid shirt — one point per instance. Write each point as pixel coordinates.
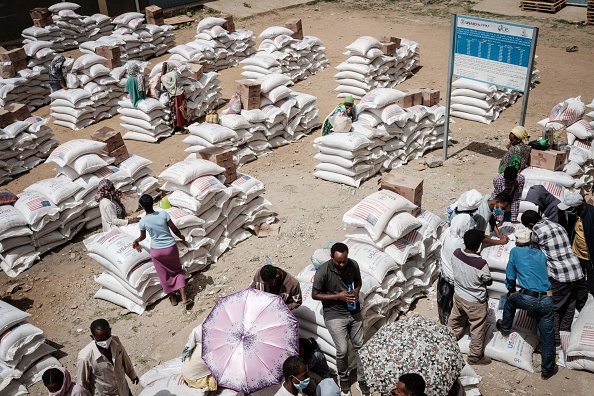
(512, 183)
(564, 268)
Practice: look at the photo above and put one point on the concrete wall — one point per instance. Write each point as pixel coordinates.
(14, 14)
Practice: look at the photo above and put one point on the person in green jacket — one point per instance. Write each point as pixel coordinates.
(135, 84)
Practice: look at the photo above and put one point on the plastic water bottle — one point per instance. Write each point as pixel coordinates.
(351, 291)
(267, 260)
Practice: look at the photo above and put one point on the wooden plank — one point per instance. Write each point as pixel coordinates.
(540, 6)
(178, 20)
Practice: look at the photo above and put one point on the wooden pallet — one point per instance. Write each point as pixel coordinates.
(542, 6)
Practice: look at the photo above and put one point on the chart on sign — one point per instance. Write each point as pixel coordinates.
(493, 52)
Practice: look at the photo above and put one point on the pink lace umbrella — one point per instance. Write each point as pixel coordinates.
(246, 338)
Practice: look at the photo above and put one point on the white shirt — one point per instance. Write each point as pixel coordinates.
(109, 216)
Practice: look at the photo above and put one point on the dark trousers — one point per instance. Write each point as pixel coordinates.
(564, 303)
(445, 299)
(586, 286)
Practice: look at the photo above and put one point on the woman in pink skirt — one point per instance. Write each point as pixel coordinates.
(164, 252)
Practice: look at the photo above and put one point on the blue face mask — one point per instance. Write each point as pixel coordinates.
(570, 212)
(302, 384)
(497, 211)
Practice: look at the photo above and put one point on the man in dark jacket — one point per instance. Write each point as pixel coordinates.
(581, 232)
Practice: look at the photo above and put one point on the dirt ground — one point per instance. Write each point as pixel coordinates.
(58, 290)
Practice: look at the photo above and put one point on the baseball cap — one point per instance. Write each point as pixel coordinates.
(571, 200)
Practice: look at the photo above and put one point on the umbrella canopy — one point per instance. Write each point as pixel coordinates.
(246, 338)
(413, 345)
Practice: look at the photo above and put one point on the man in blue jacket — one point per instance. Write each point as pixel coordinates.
(527, 268)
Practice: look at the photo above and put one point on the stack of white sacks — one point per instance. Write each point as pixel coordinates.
(93, 94)
(578, 174)
(51, 212)
(149, 120)
(367, 67)
(578, 353)
(215, 46)
(24, 145)
(285, 116)
(384, 137)
(69, 29)
(31, 86)
(482, 102)
(212, 217)
(280, 53)
(24, 355)
(136, 39)
(397, 256)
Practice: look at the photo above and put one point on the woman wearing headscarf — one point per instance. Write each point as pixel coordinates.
(518, 152)
(346, 109)
(163, 251)
(58, 382)
(452, 239)
(194, 370)
(177, 97)
(468, 203)
(56, 74)
(135, 83)
(113, 213)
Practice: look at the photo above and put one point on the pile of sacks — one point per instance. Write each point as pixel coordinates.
(136, 39)
(93, 93)
(285, 116)
(384, 137)
(280, 53)
(578, 352)
(50, 212)
(397, 256)
(482, 102)
(24, 355)
(212, 216)
(215, 46)
(149, 121)
(368, 67)
(31, 86)
(23, 146)
(69, 29)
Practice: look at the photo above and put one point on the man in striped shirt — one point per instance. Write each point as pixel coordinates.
(511, 183)
(563, 266)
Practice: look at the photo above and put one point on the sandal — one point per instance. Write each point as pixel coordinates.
(187, 304)
(173, 299)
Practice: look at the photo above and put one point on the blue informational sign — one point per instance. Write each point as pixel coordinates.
(494, 52)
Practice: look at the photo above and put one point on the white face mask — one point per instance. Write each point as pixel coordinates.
(104, 344)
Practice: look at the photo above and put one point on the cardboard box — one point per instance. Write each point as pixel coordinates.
(250, 91)
(40, 13)
(230, 176)
(19, 65)
(294, 24)
(120, 154)
(412, 98)
(6, 118)
(39, 23)
(154, 11)
(215, 154)
(111, 137)
(409, 187)
(14, 55)
(155, 21)
(430, 96)
(196, 68)
(298, 35)
(389, 48)
(391, 39)
(112, 63)
(7, 70)
(19, 111)
(550, 159)
(109, 52)
(229, 25)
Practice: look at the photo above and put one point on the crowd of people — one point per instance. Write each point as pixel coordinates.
(549, 273)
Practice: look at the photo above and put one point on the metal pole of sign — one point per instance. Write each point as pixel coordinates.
(137, 6)
(446, 126)
(529, 77)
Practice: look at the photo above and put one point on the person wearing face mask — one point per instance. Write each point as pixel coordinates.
(512, 183)
(58, 382)
(485, 217)
(274, 280)
(104, 363)
(468, 203)
(295, 374)
(470, 295)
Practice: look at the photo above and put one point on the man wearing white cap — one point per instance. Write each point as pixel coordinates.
(527, 269)
(581, 233)
(468, 203)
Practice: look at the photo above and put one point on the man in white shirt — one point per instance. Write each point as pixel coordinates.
(103, 364)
